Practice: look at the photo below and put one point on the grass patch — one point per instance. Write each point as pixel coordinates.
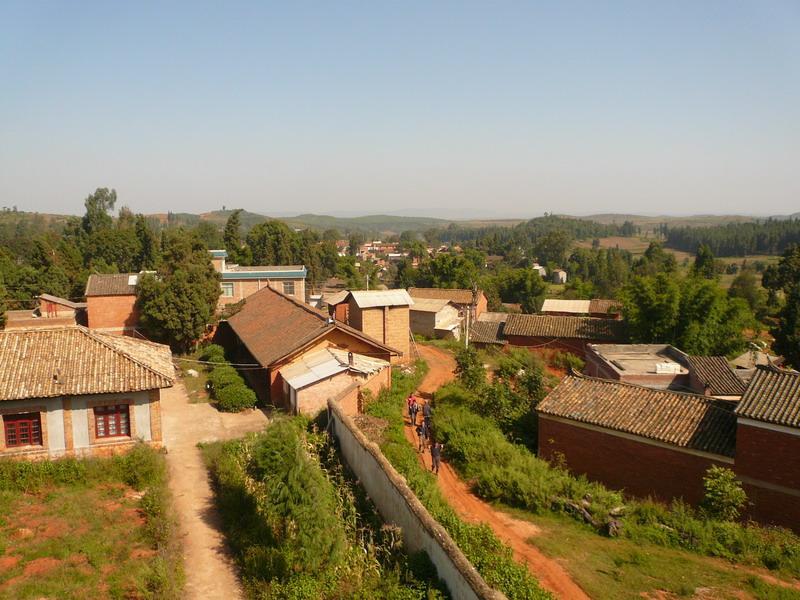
(490, 556)
(300, 526)
(88, 528)
(618, 568)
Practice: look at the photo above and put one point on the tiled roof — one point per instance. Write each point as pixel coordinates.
(117, 284)
(772, 396)
(604, 306)
(459, 296)
(494, 316)
(72, 361)
(374, 298)
(715, 373)
(685, 420)
(487, 332)
(552, 326)
(62, 301)
(272, 326)
(578, 307)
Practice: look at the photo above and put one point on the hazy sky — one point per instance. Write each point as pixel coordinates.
(458, 109)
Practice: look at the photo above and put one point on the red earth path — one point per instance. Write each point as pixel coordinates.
(514, 532)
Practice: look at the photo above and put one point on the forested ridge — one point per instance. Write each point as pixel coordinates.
(771, 236)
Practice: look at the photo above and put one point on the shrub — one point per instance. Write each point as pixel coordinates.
(221, 377)
(235, 397)
(724, 497)
(567, 361)
(213, 353)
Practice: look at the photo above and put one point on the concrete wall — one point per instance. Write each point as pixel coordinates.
(68, 423)
(397, 504)
(114, 314)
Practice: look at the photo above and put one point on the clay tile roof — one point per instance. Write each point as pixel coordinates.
(715, 373)
(772, 396)
(72, 361)
(459, 296)
(430, 304)
(604, 306)
(62, 301)
(552, 326)
(272, 326)
(487, 332)
(116, 284)
(685, 420)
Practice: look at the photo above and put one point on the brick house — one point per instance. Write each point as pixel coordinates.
(571, 334)
(660, 443)
(240, 282)
(282, 335)
(383, 315)
(435, 318)
(70, 391)
(111, 303)
(50, 311)
(462, 299)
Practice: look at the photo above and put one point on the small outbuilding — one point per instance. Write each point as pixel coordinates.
(435, 318)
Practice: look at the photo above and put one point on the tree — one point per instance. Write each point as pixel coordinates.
(655, 260)
(704, 263)
(745, 286)
(523, 286)
(273, 243)
(469, 369)
(3, 302)
(176, 305)
(651, 306)
(552, 247)
(232, 235)
(148, 244)
(724, 497)
(787, 332)
(98, 206)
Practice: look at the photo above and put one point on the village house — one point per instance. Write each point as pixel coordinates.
(383, 315)
(299, 353)
(571, 334)
(559, 276)
(435, 318)
(69, 391)
(660, 442)
(111, 303)
(240, 282)
(598, 308)
(464, 300)
(50, 311)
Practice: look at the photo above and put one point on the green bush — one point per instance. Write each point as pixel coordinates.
(724, 497)
(213, 353)
(567, 361)
(221, 377)
(235, 397)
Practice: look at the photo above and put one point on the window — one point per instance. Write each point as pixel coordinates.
(288, 288)
(227, 290)
(112, 421)
(23, 430)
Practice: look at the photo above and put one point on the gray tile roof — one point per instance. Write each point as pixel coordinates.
(716, 373)
(116, 284)
(551, 326)
(773, 396)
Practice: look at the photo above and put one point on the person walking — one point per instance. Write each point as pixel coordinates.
(413, 410)
(422, 435)
(436, 456)
(427, 412)
(409, 402)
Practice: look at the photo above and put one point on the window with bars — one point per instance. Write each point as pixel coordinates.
(227, 290)
(112, 421)
(288, 288)
(23, 430)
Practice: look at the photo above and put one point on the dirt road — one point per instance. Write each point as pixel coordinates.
(210, 573)
(513, 532)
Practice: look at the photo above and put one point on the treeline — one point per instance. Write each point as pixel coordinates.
(772, 236)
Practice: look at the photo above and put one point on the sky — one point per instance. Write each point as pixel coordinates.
(453, 109)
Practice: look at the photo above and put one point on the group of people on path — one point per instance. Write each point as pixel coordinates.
(423, 429)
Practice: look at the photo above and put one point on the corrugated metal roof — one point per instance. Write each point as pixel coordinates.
(373, 298)
(773, 396)
(684, 420)
(578, 307)
(72, 361)
(316, 366)
(335, 298)
(433, 305)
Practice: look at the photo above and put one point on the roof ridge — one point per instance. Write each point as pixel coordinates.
(310, 309)
(97, 337)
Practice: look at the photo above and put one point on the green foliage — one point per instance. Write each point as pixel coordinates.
(213, 353)
(469, 368)
(786, 277)
(704, 263)
(567, 361)
(745, 286)
(724, 497)
(491, 557)
(301, 528)
(449, 270)
(738, 239)
(597, 272)
(235, 398)
(655, 260)
(223, 376)
(693, 314)
(523, 286)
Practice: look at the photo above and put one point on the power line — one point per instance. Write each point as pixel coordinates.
(209, 362)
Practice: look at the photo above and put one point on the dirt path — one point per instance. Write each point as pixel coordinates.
(210, 573)
(513, 532)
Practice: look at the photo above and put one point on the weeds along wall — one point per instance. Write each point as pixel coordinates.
(398, 505)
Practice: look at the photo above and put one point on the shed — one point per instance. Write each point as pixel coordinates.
(435, 317)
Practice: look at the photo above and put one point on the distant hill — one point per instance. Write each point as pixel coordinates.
(650, 222)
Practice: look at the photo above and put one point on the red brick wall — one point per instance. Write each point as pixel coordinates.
(638, 468)
(482, 305)
(767, 455)
(774, 507)
(112, 312)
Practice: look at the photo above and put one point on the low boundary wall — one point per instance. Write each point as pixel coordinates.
(398, 505)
